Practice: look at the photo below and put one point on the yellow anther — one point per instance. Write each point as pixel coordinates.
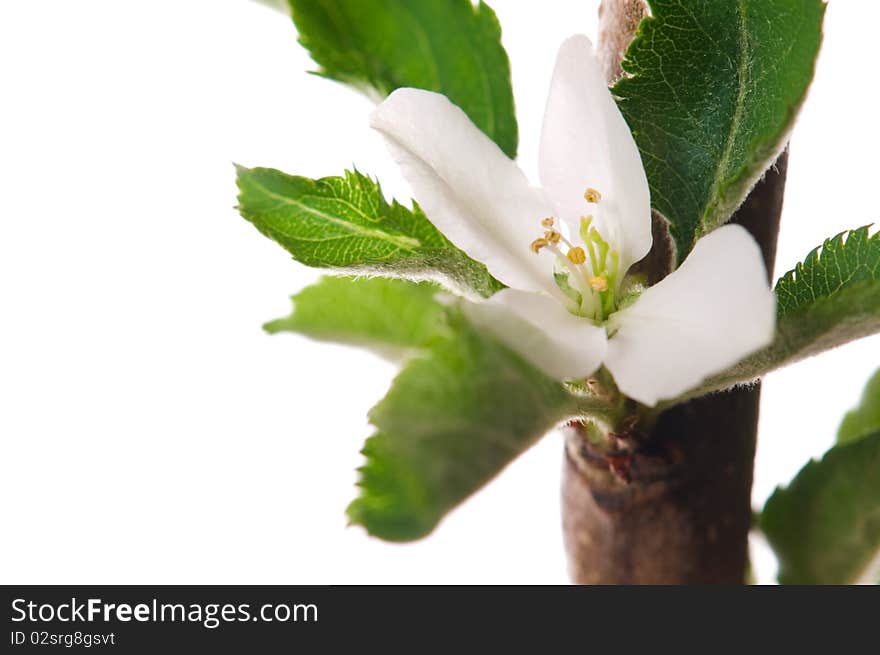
(577, 255)
(599, 283)
(537, 244)
(552, 236)
(591, 195)
(547, 222)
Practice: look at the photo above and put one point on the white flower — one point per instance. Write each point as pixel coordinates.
(569, 307)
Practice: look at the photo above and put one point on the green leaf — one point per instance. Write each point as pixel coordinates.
(373, 312)
(712, 91)
(345, 223)
(451, 47)
(831, 298)
(864, 419)
(454, 417)
(825, 527)
(846, 262)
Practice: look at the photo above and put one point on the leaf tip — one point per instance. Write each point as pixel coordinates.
(274, 326)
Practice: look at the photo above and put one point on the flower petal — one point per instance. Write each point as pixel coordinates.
(542, 331)
(586, 143)
(469, 189)
(707, 315)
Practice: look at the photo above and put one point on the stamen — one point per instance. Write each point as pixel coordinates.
(566, 241)
(577, 255)
(592, 286)
(539, 243)
(591, 195)
(552, 236)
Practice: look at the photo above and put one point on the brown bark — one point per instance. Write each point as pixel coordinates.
(678, 509)
(618, 20)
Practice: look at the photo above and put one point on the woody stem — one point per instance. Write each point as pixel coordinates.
(682, 512)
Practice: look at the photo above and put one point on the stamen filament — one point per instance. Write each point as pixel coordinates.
(566, 241)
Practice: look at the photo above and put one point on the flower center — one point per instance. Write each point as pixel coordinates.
(589, 274)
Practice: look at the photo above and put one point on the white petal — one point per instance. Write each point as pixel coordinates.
(707, 315)
(472, 192)
(586, 143)
(542, 331)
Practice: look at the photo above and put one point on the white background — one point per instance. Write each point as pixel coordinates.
(151, 433)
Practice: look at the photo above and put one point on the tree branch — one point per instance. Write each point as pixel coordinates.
(677, 510)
